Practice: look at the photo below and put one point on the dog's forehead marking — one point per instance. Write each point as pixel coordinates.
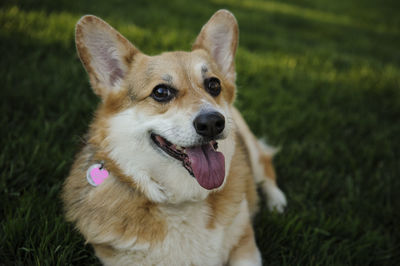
(204, 68)
(201, 67)
(167, 78)
(200, 70)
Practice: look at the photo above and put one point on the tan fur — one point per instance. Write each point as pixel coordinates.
(104, 251)
(246, 246)
(118, 218)
(113, 209)
(269, 170)
(262, 157)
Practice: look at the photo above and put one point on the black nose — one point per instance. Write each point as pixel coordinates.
(209, 124)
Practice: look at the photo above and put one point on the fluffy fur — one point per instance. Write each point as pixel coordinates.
(151, 211)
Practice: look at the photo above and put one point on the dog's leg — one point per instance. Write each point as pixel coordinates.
(245, 253)
(261, 163)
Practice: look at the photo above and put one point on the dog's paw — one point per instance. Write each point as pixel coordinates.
(276, 199)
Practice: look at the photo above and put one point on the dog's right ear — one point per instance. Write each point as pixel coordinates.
(104, 52)
(219, 37)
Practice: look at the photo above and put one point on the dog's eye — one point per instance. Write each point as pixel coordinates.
(213, 86)
(163, 93)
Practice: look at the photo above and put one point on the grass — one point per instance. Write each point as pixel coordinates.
(320, 79)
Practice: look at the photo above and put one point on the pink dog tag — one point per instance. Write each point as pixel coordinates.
(96, 174)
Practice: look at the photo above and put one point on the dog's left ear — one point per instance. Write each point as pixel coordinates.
(219, 37)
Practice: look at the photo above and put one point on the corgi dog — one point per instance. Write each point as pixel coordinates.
(169, 168)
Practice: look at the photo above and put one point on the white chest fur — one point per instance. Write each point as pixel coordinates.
(188, 240)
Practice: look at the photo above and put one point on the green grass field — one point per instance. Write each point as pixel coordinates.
(319, 79)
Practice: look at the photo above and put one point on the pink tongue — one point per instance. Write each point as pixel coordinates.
(208, 165)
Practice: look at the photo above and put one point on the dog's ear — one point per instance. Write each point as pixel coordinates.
(219, 37)
(104, 52)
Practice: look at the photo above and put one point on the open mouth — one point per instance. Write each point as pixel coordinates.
(203, 162)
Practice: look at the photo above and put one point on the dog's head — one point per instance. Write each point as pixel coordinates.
(165, 120)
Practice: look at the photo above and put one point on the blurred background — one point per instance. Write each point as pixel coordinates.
(319, 79)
